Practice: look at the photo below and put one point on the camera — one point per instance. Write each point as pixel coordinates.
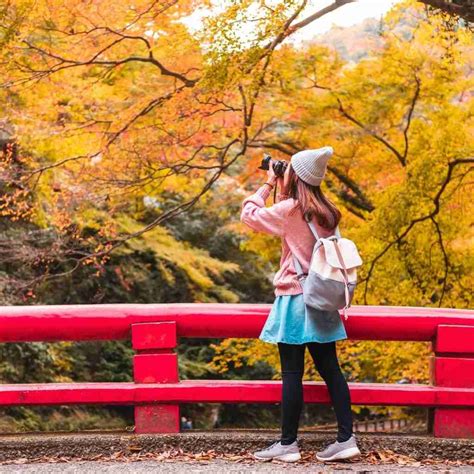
(279, 166)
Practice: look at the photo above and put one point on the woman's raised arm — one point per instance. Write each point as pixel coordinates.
(270, 220)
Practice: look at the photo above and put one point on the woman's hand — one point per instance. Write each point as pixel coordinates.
(271, 177)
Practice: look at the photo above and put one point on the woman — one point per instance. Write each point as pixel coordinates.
(291, 324)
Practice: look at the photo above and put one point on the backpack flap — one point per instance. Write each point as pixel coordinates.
(347, 249)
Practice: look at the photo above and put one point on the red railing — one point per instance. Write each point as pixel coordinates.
(157, 391)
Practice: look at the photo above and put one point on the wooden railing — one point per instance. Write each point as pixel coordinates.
(157, 392)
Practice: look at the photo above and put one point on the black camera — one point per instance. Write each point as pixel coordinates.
(279, 166)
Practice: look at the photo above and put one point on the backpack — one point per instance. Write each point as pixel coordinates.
(332, 276)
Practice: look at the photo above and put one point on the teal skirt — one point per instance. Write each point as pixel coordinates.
(292, 322)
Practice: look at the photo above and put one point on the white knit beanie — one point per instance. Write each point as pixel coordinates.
(310, 165)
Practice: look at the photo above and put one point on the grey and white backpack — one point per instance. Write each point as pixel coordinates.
(332, 275)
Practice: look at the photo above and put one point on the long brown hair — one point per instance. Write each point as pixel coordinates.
(312, 202)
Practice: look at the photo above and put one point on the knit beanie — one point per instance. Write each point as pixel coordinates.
(310, 165)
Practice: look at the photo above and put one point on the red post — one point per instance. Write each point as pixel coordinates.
(156, 362)
(453, 366)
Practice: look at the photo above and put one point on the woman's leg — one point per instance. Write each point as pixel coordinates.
(325, 359)
(292, 367)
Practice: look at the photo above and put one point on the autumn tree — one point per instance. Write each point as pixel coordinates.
(109, 112)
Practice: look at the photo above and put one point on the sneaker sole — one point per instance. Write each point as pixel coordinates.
(346, 454)
(290, 457)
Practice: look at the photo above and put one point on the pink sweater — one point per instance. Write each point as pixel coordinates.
(294, 232)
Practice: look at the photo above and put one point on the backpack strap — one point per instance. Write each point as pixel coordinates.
(298, 267)
(313, 230)
(345, 276)
(337, 233)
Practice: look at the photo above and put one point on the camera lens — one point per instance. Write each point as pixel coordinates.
(279, 167)
(265, 162)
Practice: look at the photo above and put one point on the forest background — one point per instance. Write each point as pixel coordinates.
(128, 144)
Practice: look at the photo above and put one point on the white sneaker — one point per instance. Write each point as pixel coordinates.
(336, 451)
(288, 453)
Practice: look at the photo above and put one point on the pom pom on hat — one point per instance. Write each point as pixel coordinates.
(310, 165)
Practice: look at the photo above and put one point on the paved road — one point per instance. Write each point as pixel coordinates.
(218, 466)
(220, 452)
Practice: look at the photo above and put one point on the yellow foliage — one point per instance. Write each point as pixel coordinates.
(106, 119)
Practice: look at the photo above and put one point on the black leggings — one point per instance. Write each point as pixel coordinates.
(292, 367)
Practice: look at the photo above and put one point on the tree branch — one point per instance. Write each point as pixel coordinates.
(431, 215)
(370, 132)
(409, 116)
(289, 29)
(65, 63)
(445, 259)
(463, 8)
(334, 6)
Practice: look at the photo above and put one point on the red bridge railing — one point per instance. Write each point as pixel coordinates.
(157, 391)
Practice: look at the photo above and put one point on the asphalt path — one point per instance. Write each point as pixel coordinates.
(220, 466)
